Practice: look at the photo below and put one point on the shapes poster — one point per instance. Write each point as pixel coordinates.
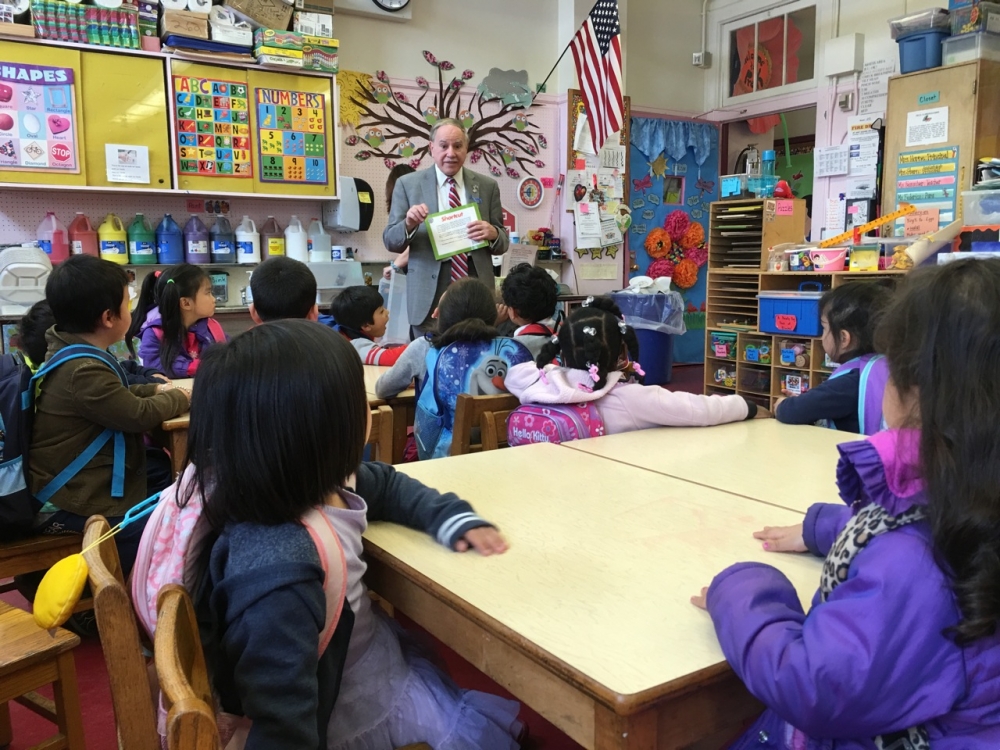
(38, 118)
(213, 127)
(292, 137)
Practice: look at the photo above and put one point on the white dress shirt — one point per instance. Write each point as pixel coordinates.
(444, 189)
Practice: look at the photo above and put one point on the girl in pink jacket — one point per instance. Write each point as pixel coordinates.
(599, 354)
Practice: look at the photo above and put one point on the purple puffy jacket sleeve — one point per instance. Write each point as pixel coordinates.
(822, 526)
(871, 659)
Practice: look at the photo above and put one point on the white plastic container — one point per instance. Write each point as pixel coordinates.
(319, 243)
(967, 47)
(296, 240)
(247, 242)
(981, 208)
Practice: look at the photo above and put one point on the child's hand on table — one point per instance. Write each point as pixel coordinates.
(485, 540)
(763, 413)
(782, 538)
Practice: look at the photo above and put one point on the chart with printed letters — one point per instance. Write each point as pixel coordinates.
(212, 118)
(292, 136)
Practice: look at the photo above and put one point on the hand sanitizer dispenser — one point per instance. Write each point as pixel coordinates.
(353, 212)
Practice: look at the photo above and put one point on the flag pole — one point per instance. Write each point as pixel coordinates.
(541, 87)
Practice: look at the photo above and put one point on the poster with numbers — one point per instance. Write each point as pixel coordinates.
(291, 136)
(213, 127)
(38, 126)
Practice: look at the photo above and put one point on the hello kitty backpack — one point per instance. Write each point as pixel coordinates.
(553, 423)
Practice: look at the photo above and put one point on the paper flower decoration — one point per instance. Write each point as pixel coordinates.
(658, 243)
(685, 274)
(697, 254)
(677, 224)
(660, 268)
(467, 74)
(694, 236)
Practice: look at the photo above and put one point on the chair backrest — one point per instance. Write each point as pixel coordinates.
(381, 434)
(131, 694)
(493, 426)
(469, 411)
(180, 664)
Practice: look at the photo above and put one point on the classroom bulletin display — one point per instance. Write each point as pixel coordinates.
(292, 133)
(212, 121)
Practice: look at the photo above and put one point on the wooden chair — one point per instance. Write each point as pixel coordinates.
(493, 427)
(381, 434)
(30, 658)
(38, 553)
(131, 694)
(183, 677)
(469, 412)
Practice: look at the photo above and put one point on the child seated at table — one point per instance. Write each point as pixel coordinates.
(283, 288)
(84, 398)
(900, 648)
(851, 398)
(173, 320)
(599, 354)
(465, 355)
(262, 582)
(529, 294)
(358, 313)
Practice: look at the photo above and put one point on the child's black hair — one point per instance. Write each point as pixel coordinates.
(355, 307)
(282, 287)
(31, 331)
(466, 312)
(941, 336)
(390, 182)
(530, 292)
(855, 307)
(252, 461)
(165, 290)
(81, 289)
(593, 335)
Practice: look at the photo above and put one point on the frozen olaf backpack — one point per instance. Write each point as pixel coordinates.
(553, 423)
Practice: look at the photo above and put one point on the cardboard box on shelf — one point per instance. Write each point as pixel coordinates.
(268, 14)
(183, 23)
(320, 58)
(277, 39)
(313, 24)
(284, 62)
(321, 41)
(291, 54)
(315, 6)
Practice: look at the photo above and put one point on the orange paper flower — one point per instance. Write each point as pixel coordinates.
(658, 243)
(693, 237)
(686, 274)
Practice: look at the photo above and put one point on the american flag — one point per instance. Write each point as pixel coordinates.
(597, 53)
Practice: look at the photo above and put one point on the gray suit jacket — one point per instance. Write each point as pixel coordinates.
(423, 271)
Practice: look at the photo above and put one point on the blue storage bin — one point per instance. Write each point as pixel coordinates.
(793, 313)
(920, 51)
(656, 355)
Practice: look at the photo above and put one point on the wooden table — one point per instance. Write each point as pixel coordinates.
(403, 409)
(790, 466)
(177, 431)
(587, 617)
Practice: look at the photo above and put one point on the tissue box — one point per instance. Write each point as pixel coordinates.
(184, 23)
(275, 39)
(231, 35)
(269, 14)
(313, 24)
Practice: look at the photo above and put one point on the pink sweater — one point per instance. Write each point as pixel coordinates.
(623, 406)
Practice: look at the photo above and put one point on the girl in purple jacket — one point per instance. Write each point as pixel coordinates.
(173, 319)
(900, 649)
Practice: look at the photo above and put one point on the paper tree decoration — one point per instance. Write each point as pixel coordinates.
(390, 126)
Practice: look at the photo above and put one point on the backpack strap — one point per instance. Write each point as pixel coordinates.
(334, 576)
(872, 372)
(215, 329)
(67, 353)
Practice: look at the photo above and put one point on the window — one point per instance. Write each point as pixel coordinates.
(775, 49)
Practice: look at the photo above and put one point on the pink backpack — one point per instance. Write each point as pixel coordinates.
(168, 552)
(553, 423)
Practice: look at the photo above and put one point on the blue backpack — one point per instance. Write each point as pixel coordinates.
(874, 377)
(18, 506)
(477, 368)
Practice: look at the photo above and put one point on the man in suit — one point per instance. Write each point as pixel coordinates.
(428, 191)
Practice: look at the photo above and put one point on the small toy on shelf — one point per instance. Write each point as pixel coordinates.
(726, 376)
(723, 345)
(794, 383)
(794, 354)
(758, 352)
(828, 362)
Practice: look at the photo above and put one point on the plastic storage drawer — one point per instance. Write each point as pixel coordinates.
(968, 47)
(980, 16)
(795, 313)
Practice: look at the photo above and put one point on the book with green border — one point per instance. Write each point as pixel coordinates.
(430, 234)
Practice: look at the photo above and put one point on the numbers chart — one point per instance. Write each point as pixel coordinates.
(213, 127)
(291, 131)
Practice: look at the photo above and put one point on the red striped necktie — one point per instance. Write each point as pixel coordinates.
(460, 262)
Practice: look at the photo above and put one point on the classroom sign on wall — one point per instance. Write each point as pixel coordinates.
(38, 125)
(929, 180)
(291, 136)
(213, 127)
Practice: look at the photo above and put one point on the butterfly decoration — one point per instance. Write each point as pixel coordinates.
(705, 186)
(646, 183)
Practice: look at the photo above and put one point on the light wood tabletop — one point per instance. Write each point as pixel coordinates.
(792, 466)
(372, 374)
(587, 616)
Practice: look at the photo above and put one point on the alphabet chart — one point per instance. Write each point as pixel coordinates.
(291, 136)
(37, 118)
(213, 127)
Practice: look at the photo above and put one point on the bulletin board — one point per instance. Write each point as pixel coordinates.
(118, 102)
(307, 155)
(47, 131)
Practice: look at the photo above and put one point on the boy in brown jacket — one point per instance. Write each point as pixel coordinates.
(82, 398)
